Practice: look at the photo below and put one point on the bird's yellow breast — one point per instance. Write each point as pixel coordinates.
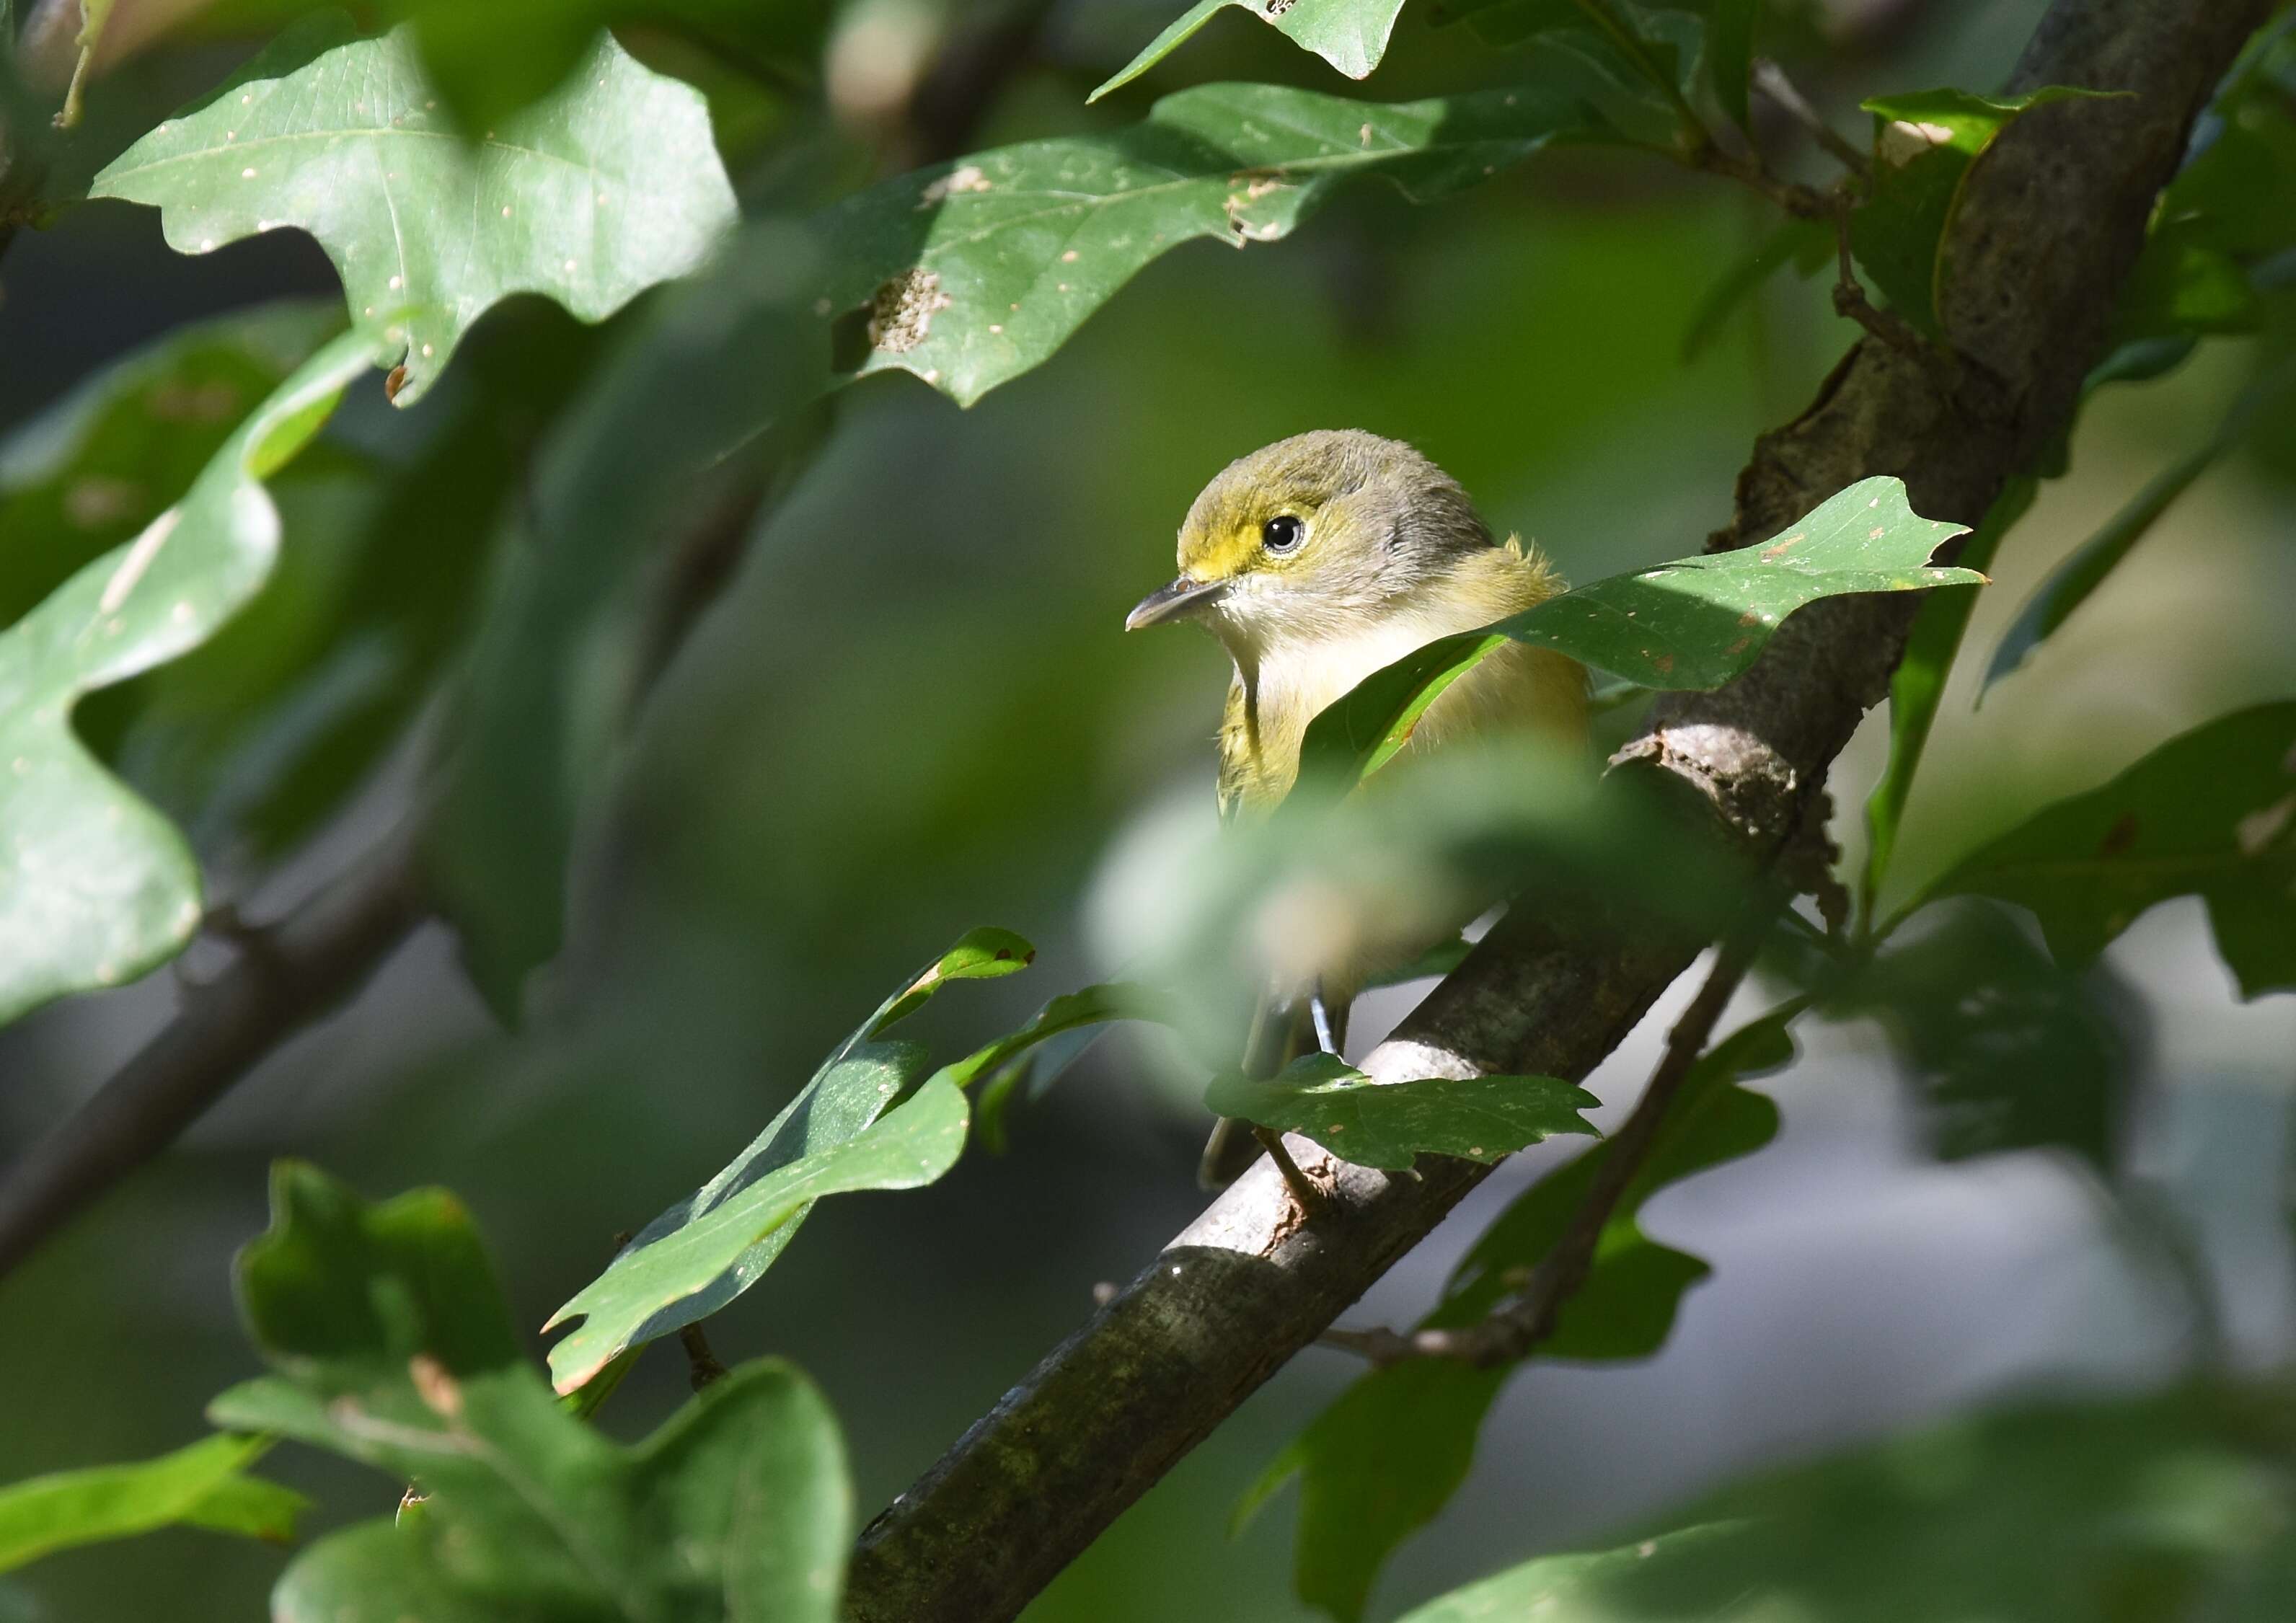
(1280, 687)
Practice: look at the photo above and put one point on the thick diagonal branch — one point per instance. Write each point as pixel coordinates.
(2052, 220)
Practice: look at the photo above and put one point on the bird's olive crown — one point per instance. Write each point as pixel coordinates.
(1332, 496)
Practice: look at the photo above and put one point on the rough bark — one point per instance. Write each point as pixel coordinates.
(2053, 219)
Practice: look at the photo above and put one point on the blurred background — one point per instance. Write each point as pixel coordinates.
(812, 804)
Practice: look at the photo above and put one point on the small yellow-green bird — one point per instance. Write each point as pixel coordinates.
(1315, 561)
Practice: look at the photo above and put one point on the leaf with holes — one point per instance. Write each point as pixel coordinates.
(95, 887)
(834, 1136)
(1386, 1457)
(1693, 623)
(204, 1485)
(1390, 1125)
(2210, 814)
(1351, 35)
(969, 272)
(608, 186)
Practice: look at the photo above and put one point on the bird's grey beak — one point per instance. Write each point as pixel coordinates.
(1182, 596)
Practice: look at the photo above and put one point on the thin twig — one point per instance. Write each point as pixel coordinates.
(1771, 81)
(1804, 202)
(1528, 1318)
(701, 1365)
(1850, 300)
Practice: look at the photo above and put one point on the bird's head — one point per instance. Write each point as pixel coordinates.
(1314, 536)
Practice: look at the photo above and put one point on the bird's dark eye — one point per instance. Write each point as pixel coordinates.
(1283, 533)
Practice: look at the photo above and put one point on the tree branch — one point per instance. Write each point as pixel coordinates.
(2052, 220)
(285, 976)
(1510, 1330)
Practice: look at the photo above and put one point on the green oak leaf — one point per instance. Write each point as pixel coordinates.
(93, 470)
(835, 1136)
(340, 1293)
(1917, 686)
(968, 273)
(1693, 623)
(390, 1344)
(492, 60)
(1351, 35)
(2212, 813)
(254, 740)
(95, 887)
(1386, 1457)
(1925, 143)
(1390, 1125)
(203, 1485)
(2163, 1504)
(691, 1267)
(739, 1507)
(608, 186)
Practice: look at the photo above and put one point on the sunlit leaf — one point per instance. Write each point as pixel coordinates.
(2210, 814)
(2174, 1505)
(610, 186)
(1925, 143)
(253, 741)
(202, 1485)
(1351, 35)
(1037, 1053)
(691, 1267)
(1693, 623)
(1388, 1456)
(969, 272)
(1917, 686)
(835, 1136)
(492, 60)
(123, 446)
(1390, 1125)
(95, 887)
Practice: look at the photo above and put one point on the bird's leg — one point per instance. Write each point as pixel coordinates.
(1329, 1016)
(1303, 1190)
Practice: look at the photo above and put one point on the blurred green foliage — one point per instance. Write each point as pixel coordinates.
(721, 695)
